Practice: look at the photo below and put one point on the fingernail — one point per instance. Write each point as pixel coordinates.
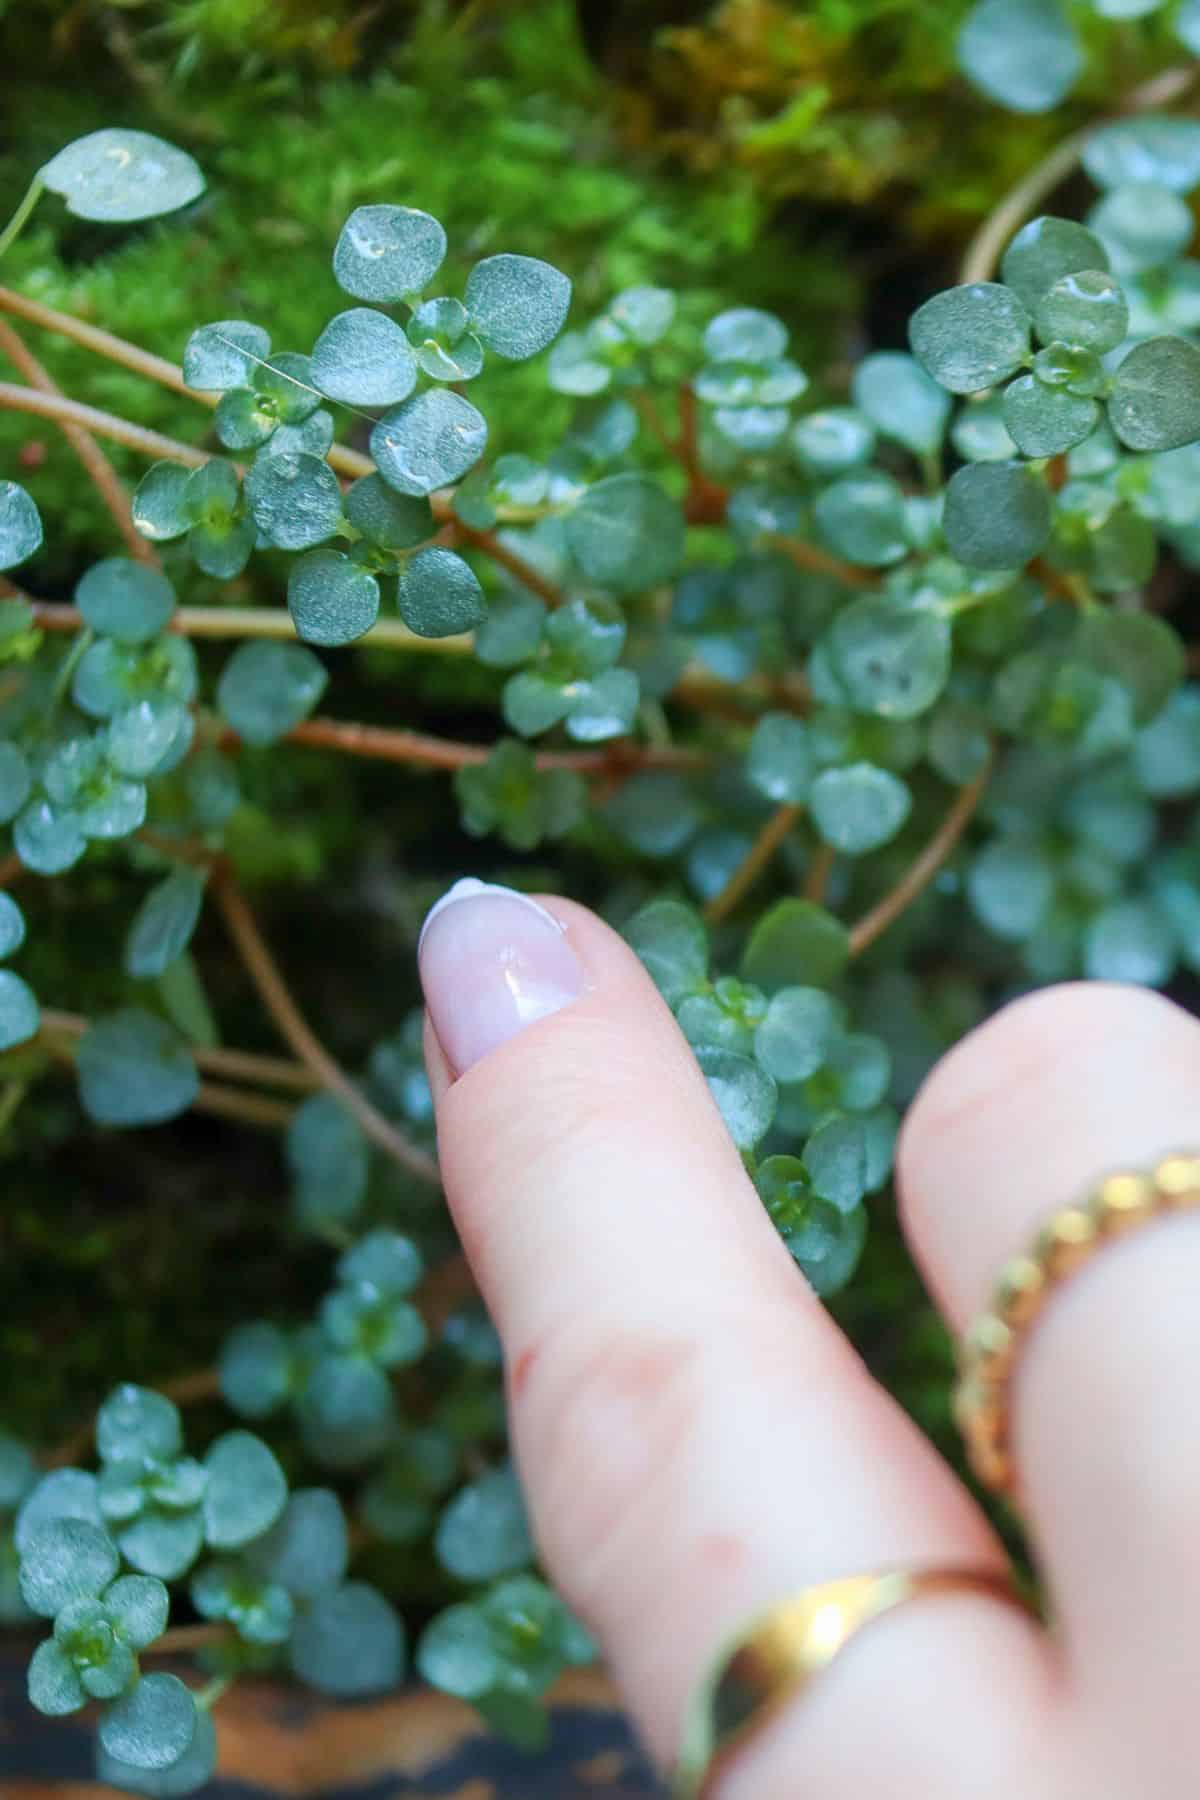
(492, 961)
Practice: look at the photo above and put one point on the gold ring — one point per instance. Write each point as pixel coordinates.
(988, 1352)
(772, 1662)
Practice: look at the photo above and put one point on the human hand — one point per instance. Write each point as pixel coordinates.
(697, 1440)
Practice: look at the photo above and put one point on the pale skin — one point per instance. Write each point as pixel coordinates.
(696, 1439)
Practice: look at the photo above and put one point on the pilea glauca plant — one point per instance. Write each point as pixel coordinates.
(859, 690)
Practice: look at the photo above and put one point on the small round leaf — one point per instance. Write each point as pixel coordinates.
(971, 337)
(517, 304)
(349, 1643)
(20, 525)
(153, 1725)
(54, 1685)
(901, 400)
(267, 688)
(20, 1015)
(387, 252)
(997, 515)
(1023, 53)
(626, 533)
(428, 442)
(65, 1560)
(332, 600)
(245, 1493)
(135, 1422)
(1155, 400)
(134, 1069)
(295, 500)
(1043, 252)
(138, 1606)
(117, 176)
(363, 358)
(858, 808)
(439, 594)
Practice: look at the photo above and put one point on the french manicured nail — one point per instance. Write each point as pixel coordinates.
(492, 961)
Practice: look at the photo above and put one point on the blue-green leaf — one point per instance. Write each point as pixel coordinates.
(971, 337)
(295, 500)
(626, 533)
(20, 525)
(484, 1531)
(428, 442)
(117, 176)
(439, 594)
(224, 355)
(245, 1493)
(153, 1725)
(163, 925)
(517, 304)
(136, 1423)
(350, 1642)
(385, 253)
(65, 1560)
(364, 358)
(332, 599)
(266, 688)
(125, 600)
(134, 1069)
(20, 1016)
(1023, 53)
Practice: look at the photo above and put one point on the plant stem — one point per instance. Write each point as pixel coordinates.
(237, 1065)
(103, 476)
(490, 545)
(21, 217)
(59, 407)
(820, 562)
(816, 881)
(11, 1097)
(11, 869)
(255, 622)
(295, 1030)
(983, 253)
(219, 1685)
(923, 868)
(706, 499)
(70, 663)
(752, 864)
(183, 1638)
(143, 362)
(386, 745)
(248, 1108)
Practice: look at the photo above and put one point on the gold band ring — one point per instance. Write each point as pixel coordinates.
(771, 1662)
(989, 1350)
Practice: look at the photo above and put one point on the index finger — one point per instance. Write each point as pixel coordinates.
(696, 1439)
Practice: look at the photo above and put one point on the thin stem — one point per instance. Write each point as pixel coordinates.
(70, 663)
(414, 747)
(21, 217)
(983, 253)
(209, 1695)
(10, 1101)
(236, 1065)
(247, 1108)
(59, 407)
(143, 362)
(489, 543)
(816, 881)
(820, 562)
(295, 1030)
(103, 476)
(256, 622)
(11, 869)
(752, 864)
(706, 499)
(922, 870)
(181, 1639)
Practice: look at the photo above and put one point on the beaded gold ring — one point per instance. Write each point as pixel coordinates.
(988, 1352)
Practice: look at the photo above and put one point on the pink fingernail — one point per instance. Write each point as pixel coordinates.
(492, 961)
